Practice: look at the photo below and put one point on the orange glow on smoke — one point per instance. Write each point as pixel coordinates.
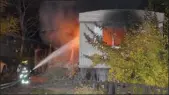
(68, 31)
(74, 50)
(72, 55)
(67, 28)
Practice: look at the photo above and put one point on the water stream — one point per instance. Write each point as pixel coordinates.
(73, 43)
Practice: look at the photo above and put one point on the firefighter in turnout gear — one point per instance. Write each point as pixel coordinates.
(23, 72)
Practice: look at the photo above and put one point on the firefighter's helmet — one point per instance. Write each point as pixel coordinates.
(25, 62)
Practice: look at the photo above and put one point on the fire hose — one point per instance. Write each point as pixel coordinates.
(7, 85)
(10, 84)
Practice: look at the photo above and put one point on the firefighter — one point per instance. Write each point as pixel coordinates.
(23, 72)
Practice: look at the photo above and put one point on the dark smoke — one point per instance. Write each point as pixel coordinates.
(59, 21)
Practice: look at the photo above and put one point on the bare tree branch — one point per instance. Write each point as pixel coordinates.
(25, 24)
(13, 2)
(23, 4)
(12, 34)
(32, 24)
(30, 2)
(101, 27)
(34, 33)
(93, 33)
(3, 4)
(29, 19)
(90, 30)
(22, 7)
(89, 39)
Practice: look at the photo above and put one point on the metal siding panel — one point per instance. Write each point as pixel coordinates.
(118, 15)
(85, 47)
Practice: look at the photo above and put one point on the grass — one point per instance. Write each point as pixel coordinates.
(87, 90)
(51, 91)
(42, 91)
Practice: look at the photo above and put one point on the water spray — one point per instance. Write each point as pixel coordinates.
(56, 53)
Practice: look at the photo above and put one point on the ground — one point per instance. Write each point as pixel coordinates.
(60, 87)
(50, 83)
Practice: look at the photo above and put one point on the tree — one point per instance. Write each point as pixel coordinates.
(9, 24)
(26, 24)
(142, 57)
(22, 7)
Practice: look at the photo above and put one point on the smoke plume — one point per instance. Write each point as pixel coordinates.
(59, 25)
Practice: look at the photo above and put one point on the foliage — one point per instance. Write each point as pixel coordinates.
(87, 90)
(142, 58)
(9, 25)
(96, 58)
(27, 24)
(20, 26)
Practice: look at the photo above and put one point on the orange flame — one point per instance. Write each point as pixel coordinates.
(68, 30)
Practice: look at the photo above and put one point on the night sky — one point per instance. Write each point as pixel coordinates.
(88, 5)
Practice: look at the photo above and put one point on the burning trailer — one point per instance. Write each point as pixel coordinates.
(64, 28)
(110, 26)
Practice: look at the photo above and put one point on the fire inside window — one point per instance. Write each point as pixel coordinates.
(111, 36)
